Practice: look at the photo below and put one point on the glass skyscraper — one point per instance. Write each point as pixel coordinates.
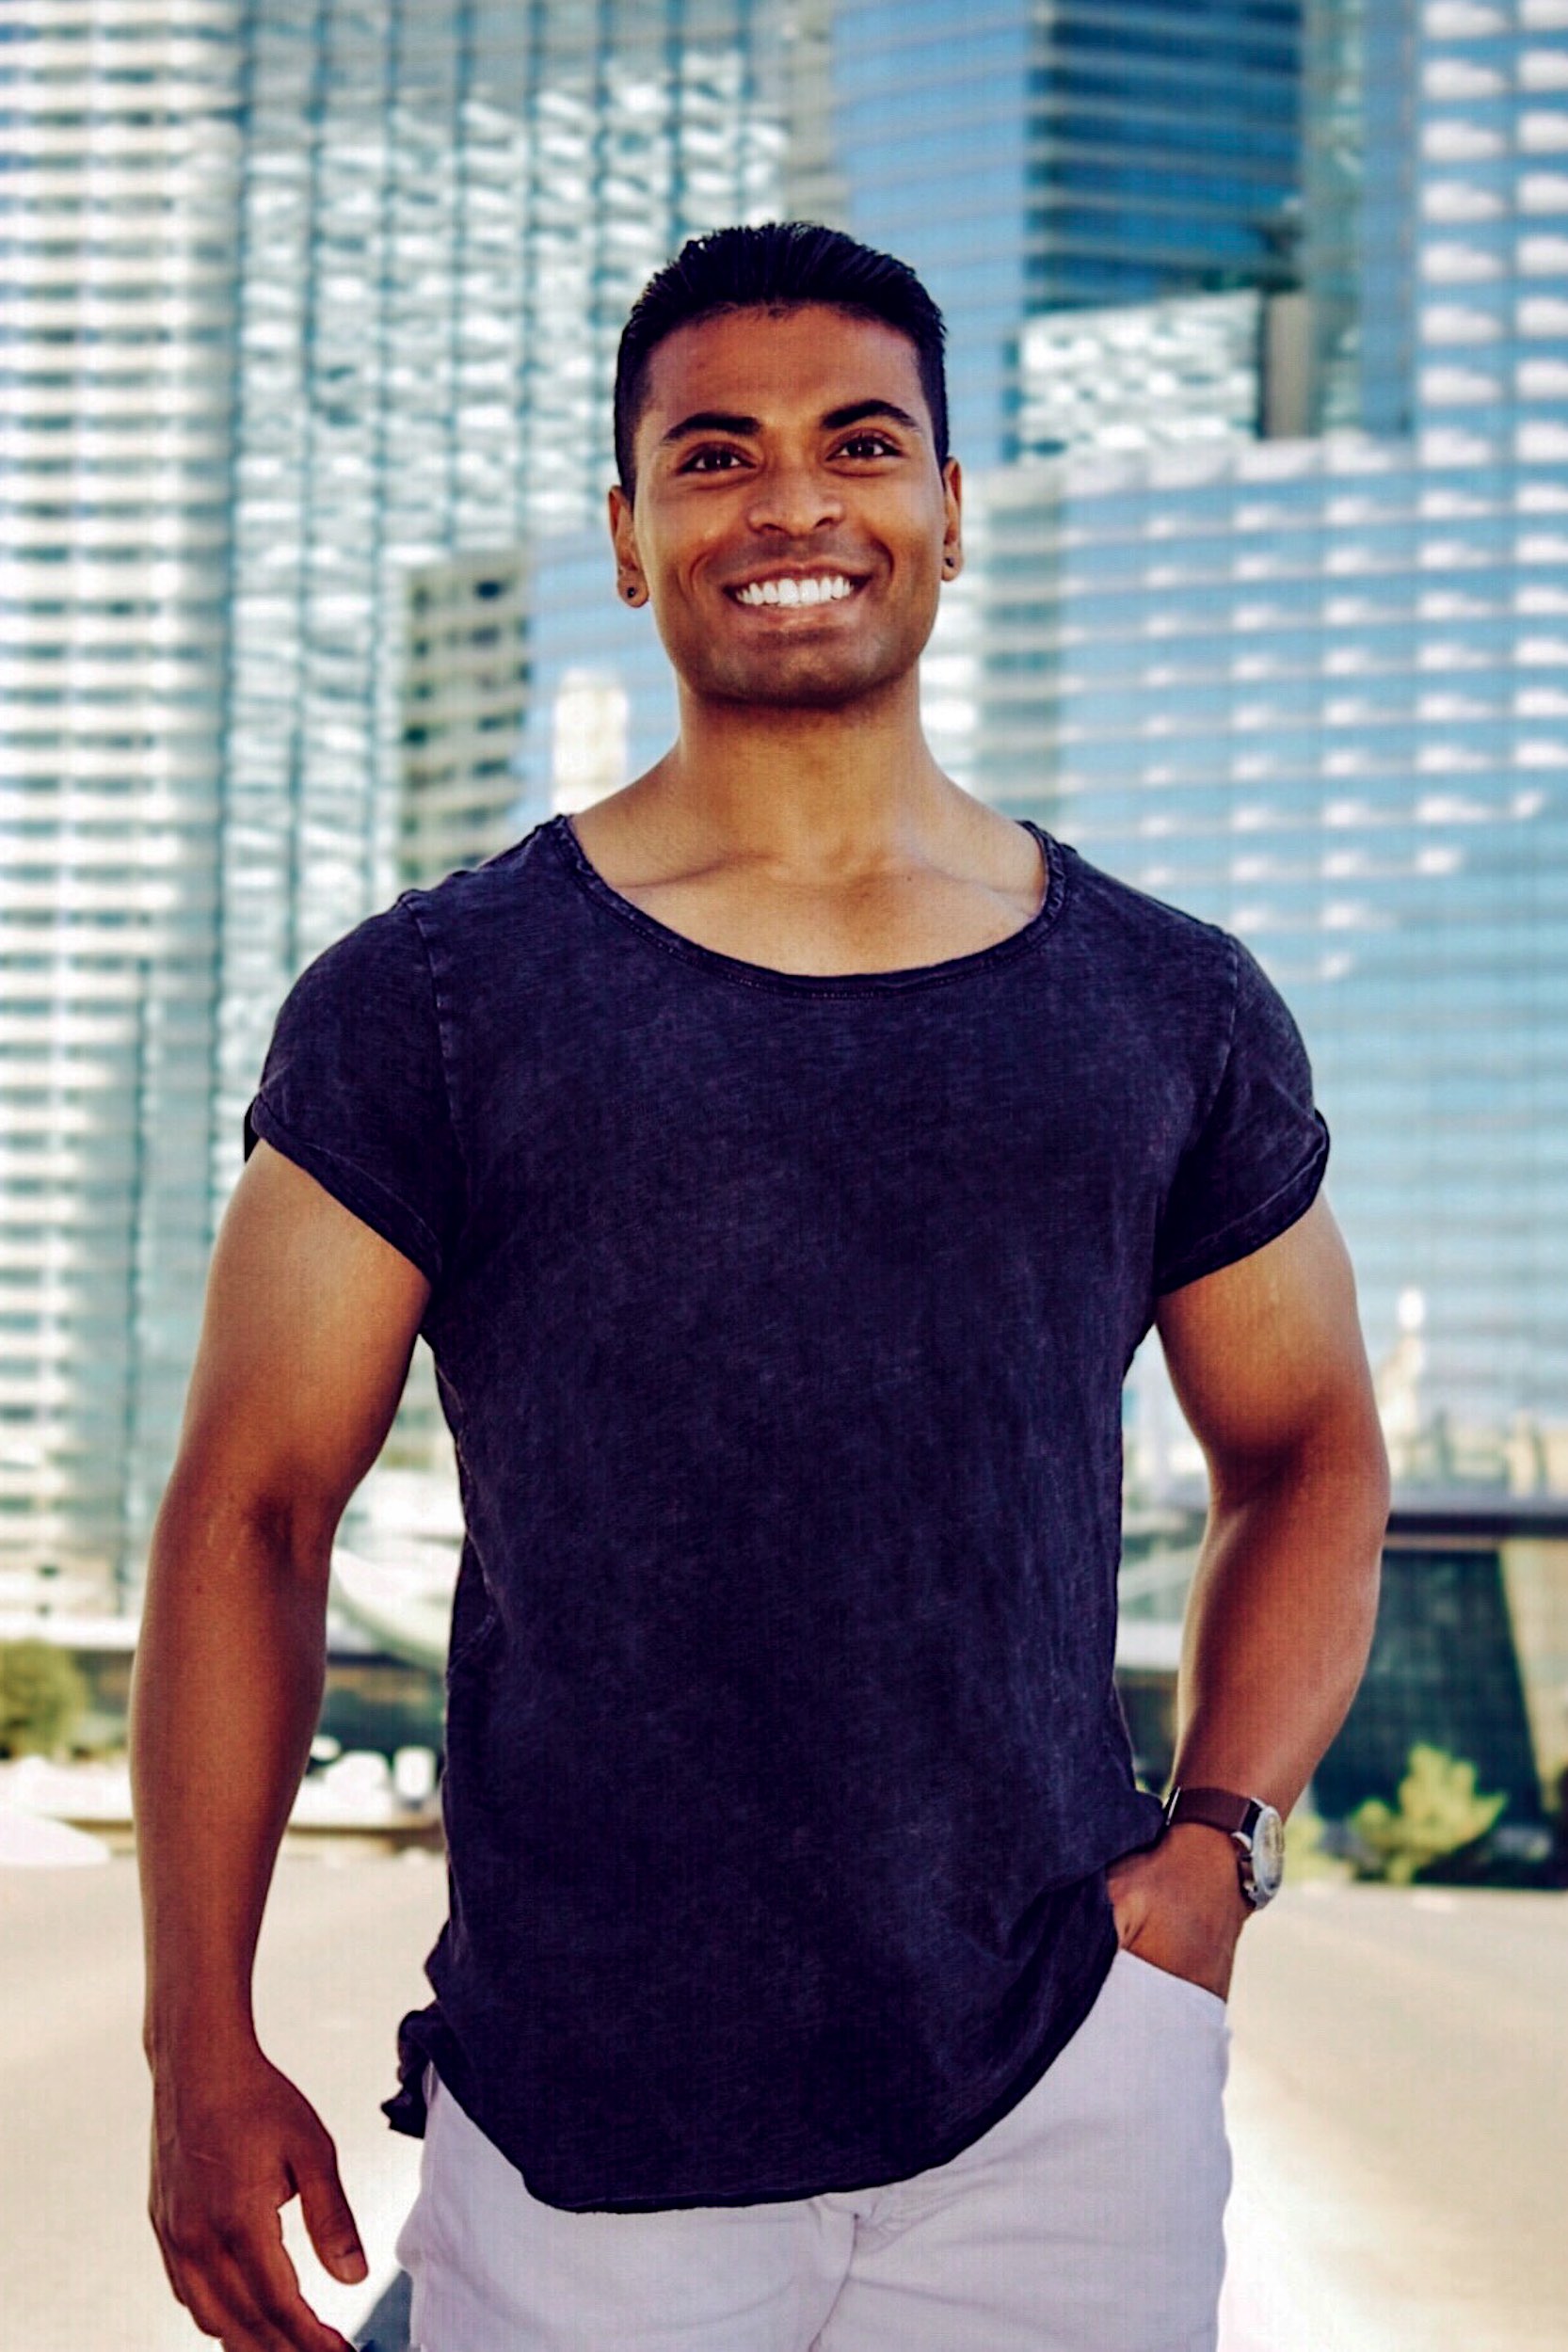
(1258, 361)
(301, 300)
(120, 259)
(1024, 159)
(1316, 689)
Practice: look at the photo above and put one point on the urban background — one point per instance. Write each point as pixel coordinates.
(1258, 370)
(1258, 318)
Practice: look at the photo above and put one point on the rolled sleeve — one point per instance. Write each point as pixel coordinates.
(354, 1091)
(1260, 1153)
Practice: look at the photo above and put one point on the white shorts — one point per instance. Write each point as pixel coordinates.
(1089, 2219)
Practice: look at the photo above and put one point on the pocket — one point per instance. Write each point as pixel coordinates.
(1178, 1990)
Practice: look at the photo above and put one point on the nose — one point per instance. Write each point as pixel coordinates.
(794, 499)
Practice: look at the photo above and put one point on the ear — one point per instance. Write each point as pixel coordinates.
(952, 536)
(623, 538)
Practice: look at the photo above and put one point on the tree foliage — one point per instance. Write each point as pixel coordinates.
(1438, 1811)
(42, 1697)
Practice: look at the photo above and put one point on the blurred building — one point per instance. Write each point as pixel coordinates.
(1143, 375)
(1258, 362)
(464, 681)
(120, 214)
(1093, 153)
(1316, 690)
(304, 304)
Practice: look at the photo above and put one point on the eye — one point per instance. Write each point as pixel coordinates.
(698, 463)
(868, 445)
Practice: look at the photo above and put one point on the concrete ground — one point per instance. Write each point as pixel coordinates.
(1397, 2107)
(1398, 2113)
(341, 1959)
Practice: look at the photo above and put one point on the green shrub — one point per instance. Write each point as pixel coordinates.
(1438, 1811)
(43, 1698)
(1307, 1852)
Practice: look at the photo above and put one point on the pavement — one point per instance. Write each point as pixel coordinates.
(1397, 2115)
(1395, 2107)
(341, 1959)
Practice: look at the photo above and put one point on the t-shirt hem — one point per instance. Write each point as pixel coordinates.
(1266, 1223)
(360, 1194)
(424, 2038)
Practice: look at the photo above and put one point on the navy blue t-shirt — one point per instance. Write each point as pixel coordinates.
(781, 1322)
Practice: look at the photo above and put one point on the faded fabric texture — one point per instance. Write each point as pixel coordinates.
(781, 1323)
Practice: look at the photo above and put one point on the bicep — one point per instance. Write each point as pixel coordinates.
(307, 1333)
(1266, 1354)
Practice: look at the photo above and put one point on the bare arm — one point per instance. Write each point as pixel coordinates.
(309, 1323)
(1268, 1364)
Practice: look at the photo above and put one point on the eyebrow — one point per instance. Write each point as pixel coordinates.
(720, 421)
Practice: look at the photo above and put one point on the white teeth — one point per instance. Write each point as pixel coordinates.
(789, 591)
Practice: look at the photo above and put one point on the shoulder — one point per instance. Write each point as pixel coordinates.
(1119, 914)
(1140, 952)
(382, 953)
(471, 896)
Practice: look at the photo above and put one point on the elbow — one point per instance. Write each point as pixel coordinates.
(1357, 1488)
(1377, 1476)
(1362, 1457)
(1333, 1463)
(1351, 1461)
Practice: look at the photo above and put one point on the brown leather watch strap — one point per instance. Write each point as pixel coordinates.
(1218, 1808)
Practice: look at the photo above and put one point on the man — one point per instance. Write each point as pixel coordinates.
(784, 1160)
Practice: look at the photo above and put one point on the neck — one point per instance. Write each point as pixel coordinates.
(815, 792)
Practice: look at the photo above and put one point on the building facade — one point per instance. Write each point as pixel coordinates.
(1316, 688)
(120, 206)
(1259, 361)
(303, 300)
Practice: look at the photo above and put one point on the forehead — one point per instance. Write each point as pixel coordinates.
(772, 365)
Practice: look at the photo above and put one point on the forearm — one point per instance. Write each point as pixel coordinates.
(224, 1699)
(1280, 1619)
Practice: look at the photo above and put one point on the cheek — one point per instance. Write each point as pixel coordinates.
(916, 552)
(678, 578)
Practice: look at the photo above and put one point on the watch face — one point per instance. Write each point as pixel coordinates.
(1268, 1851)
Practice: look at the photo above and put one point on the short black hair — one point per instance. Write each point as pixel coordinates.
(778, 266)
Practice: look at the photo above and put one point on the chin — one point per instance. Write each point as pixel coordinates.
(804, 693)
(797, 683)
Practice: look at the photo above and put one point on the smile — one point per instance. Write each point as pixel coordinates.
(825, 588)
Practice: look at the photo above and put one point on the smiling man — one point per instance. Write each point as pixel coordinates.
(784, 1160)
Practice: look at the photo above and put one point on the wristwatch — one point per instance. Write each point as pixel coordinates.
(1254, 1828)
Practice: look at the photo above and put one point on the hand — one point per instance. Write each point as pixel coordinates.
(232, 2141)
(1179, 1904)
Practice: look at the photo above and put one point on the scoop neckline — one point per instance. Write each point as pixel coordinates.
(902, 976)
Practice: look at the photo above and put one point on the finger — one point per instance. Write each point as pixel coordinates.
(248, 2330)
(272, 2286)
(200, 2277)
(215, 2295)
(170, 2270)
(327, 2215)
